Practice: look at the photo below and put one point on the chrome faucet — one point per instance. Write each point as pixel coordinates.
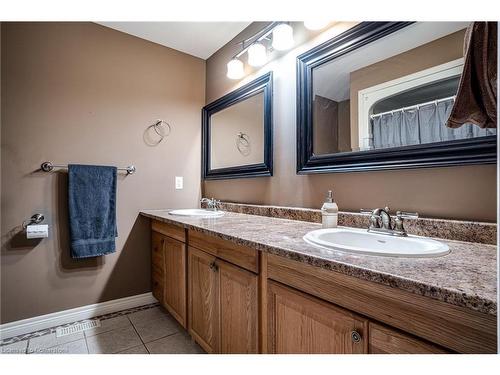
(212, 204)
(382, 222)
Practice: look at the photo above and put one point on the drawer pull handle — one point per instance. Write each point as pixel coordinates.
(355, 336)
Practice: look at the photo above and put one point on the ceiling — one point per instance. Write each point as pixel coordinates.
(200, 39)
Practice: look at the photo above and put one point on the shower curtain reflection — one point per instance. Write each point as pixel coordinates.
(420, 125)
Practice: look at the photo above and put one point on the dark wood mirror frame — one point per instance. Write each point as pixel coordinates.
(458, 152)
(262, 84)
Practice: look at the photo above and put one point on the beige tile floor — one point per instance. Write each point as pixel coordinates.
(151, 331)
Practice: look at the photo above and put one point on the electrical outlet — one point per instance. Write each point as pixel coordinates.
(179, 182)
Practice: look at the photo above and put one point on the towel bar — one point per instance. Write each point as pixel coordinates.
(48, 167)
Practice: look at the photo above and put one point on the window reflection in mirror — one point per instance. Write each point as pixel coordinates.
(395, 92)
(237, 134)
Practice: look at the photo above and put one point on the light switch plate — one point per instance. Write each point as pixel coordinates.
(179, 182)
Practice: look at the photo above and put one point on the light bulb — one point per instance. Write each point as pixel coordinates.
(235, 69)
(315, 24)
(282, 37)
(257, 54)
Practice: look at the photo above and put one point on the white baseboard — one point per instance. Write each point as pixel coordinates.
(37, 323)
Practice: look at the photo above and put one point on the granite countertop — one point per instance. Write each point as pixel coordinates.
(466, 277)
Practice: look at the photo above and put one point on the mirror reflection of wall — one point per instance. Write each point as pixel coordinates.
(397, 91)
(237, 134)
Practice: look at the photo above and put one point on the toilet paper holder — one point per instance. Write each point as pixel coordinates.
(35, 219)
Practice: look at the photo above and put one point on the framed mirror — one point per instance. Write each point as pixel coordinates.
(237, 132)
(378, 97)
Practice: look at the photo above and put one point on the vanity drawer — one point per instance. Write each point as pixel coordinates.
(173, 231)
(236, 254)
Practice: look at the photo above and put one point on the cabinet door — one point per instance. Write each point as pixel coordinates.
(238, 309)
(203, 299)
(385, 340)
(157, 266)
(300, 323)
(175, 279)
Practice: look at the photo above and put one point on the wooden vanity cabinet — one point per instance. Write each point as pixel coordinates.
(238, 309)
(233, 299)
(175, 280)
(423, 320)
(203, 297)
(301, 324)
(158, 266)
(169, 269)
(223, 306)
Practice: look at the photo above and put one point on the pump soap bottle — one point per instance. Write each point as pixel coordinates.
(329, 212)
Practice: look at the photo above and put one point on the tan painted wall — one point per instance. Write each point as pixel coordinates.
(80, 92)
(325, 125)
(454, 192)
(344, 126)
(331, 126)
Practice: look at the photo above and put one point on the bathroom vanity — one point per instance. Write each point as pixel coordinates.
(250, 284)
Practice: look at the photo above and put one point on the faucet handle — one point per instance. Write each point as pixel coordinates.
(375, 219)
(398, 223)
(407, 215)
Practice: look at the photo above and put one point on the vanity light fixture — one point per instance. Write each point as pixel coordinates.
(235, 69)
(257, 54)
(317, 24)
(281, 35)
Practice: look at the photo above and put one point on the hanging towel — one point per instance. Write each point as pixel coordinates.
(92, 210)
(476, 100)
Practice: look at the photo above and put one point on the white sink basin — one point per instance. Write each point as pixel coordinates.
(199, 212)
(360, 241)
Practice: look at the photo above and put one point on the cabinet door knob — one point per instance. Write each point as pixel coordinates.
(213, 266)
(355, 336)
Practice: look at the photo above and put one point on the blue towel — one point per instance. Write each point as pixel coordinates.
(92, 210)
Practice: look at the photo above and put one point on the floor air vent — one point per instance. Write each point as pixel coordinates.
(77, 327)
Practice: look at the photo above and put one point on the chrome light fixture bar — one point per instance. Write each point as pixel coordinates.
(257, 37)
(257, 52)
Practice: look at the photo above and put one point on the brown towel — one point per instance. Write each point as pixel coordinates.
(476, 100)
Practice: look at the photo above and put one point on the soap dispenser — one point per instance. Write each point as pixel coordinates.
(329, 212)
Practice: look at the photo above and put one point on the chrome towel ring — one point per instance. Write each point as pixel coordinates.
(243, 143)
(161, 128)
